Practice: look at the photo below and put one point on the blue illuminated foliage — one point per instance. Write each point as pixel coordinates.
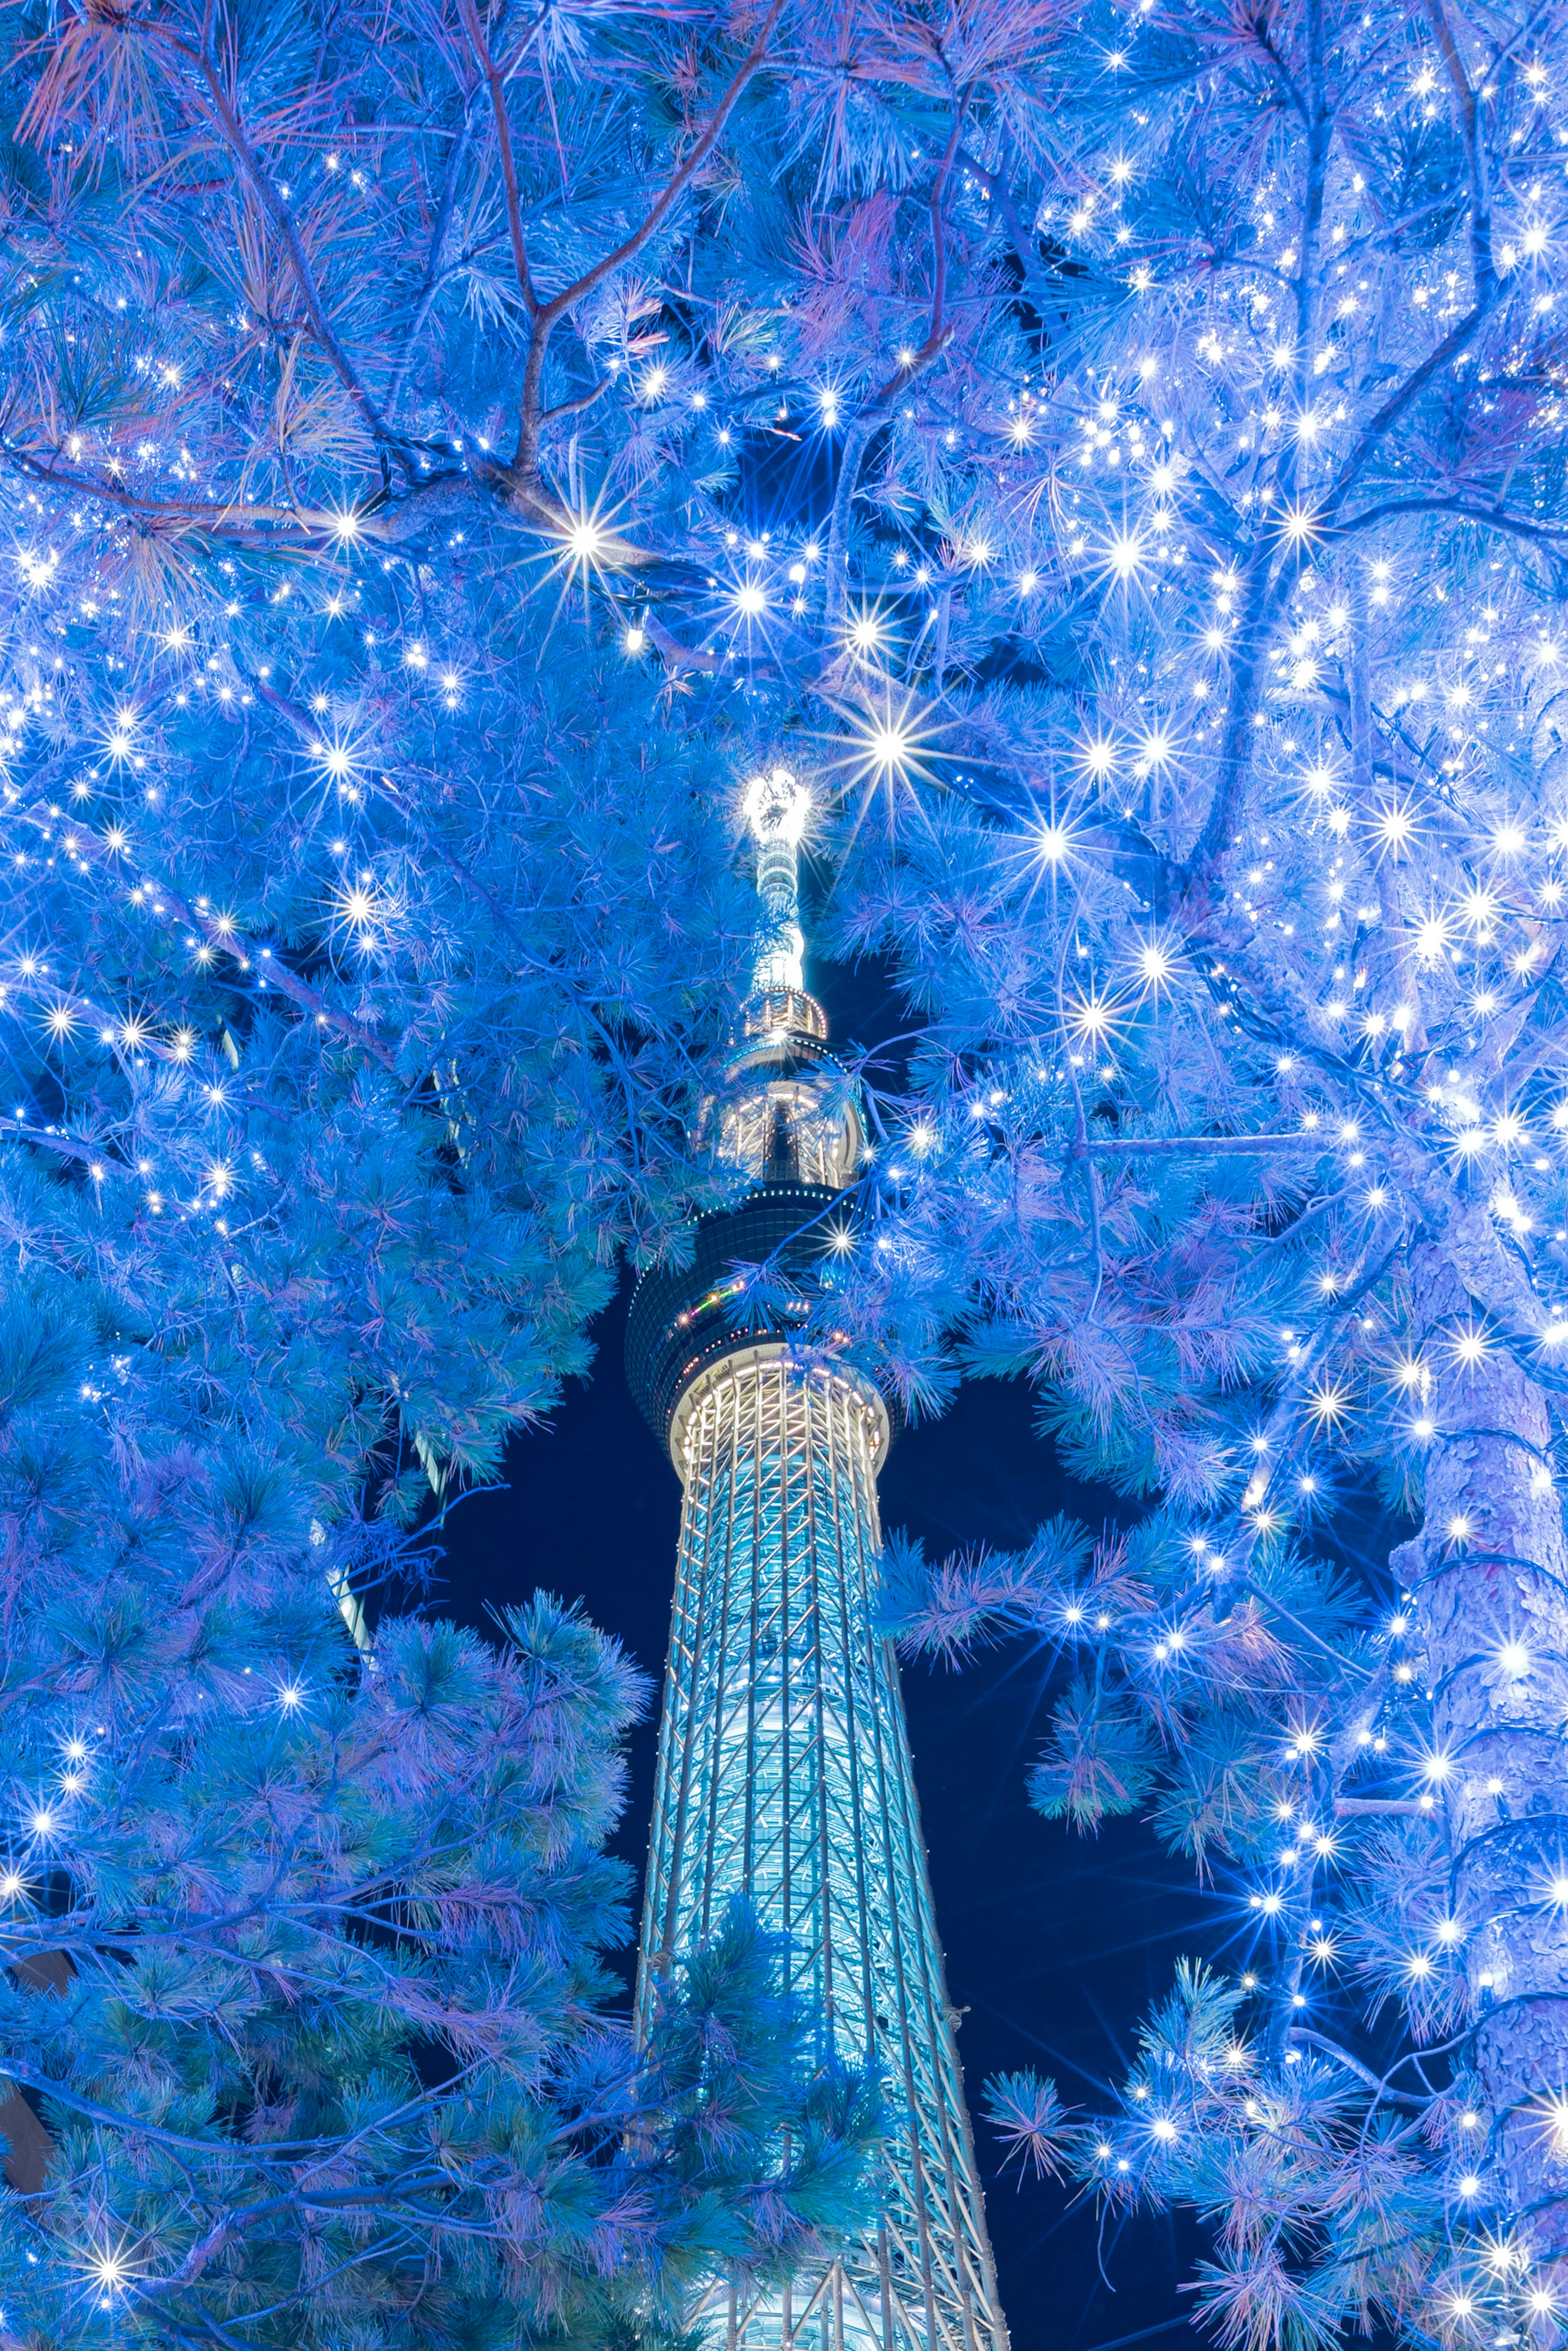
(1116, 455)
(1240, 1124)
(307, 2021)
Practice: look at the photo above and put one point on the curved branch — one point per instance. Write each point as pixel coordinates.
(282, 216)
(1195, 1146)
(937, 338)
(270, 968)
(548, 315)
(1364, 2073)
(1483, 270)
(492, 74)
(1493, 517)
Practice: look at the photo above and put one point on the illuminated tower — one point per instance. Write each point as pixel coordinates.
(784, 1768)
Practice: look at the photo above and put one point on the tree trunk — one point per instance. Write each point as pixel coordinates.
(1488, 1573)
(26, 2143)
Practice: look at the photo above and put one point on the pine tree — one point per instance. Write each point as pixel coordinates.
(366, 942)
(1240, 1119)
(307, 2010)
(1117, 453)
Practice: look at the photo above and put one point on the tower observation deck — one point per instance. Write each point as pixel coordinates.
(784, 1765)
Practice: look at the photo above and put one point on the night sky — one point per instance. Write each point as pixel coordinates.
(1055, 1945)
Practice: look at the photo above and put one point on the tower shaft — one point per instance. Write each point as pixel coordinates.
(785, 1777)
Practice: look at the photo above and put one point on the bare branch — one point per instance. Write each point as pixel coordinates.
(1491, 518)
(939, 334)
(225, 939)
(1164, 1146)
(491, 72)
(549, 314)
(282, 216)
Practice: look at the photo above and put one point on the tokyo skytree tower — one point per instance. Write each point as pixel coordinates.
(784, 1765)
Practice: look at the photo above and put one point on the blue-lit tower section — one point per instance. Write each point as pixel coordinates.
(784, 1766)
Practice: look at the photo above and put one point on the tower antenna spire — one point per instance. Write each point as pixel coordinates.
(778, 809)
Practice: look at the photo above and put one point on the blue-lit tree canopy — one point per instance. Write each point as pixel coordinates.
(1115, 456)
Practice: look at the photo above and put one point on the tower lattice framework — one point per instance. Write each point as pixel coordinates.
(784, 1767)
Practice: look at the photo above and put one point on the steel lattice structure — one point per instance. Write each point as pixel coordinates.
(784, 1770)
